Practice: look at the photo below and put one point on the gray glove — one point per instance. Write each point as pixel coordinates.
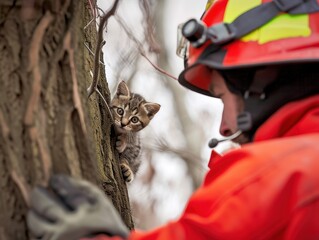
(72, 210)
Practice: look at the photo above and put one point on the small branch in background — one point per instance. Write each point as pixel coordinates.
(99, 46)
(149, 20)
(140, 46)
(161, 145)
(158, 68)
(101, 10)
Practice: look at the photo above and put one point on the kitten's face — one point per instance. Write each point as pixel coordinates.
(130, 111)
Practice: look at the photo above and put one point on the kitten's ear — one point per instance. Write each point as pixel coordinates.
(152, 109)
(122, 90)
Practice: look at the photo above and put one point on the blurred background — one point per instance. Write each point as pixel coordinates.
(175, 151)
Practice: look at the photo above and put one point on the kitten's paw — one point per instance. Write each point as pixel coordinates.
(121, 143)
(127, 172)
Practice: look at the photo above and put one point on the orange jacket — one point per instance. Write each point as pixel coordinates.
(268, 189)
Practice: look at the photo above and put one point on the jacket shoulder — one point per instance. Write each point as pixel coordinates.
(264, 185)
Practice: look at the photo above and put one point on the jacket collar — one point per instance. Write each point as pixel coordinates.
(295, 118)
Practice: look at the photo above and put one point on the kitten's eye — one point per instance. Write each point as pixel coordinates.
(120, 111)
(134, 119)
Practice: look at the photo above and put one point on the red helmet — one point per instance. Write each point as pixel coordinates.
(238, 34)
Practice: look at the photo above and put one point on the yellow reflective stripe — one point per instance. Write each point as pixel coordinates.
(208, 4)
(294, 25)
(235, 8)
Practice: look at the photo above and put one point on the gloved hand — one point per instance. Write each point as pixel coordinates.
(72, 210)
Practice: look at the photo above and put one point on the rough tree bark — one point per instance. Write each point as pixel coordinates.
(47, 124)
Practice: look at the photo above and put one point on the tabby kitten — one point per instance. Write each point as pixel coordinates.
(131, 114)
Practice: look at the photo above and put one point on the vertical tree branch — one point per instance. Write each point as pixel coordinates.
(99, 45)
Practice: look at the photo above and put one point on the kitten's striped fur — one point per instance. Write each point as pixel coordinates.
(131, 113)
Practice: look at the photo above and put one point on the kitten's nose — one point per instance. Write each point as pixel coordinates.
(124, 122)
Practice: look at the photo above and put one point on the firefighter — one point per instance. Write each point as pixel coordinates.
(261, 58)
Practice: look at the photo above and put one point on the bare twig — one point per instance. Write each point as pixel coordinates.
(163, 146)
(149, 21)
(158, 68)
(140, 47)
(89, 23)
(93, 9)
(106, 104)
(87, 47)
(101, 10)
(129, 33)
(96, 69)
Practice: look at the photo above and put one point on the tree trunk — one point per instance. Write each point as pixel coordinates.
(47, 124)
